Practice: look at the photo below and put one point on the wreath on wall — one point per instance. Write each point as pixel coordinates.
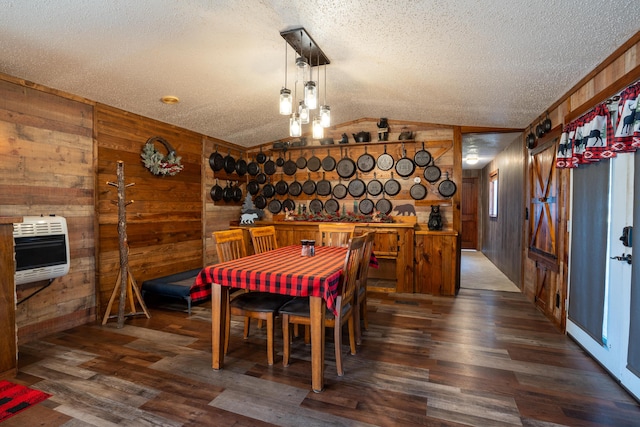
(158, 163)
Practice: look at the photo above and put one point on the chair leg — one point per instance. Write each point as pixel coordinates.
(352, 335)
(337, 340)
(270, 339)
(227, 329)
(356, 315)
(307, 334)
(363, 313)
(286, 337)
(247, 324)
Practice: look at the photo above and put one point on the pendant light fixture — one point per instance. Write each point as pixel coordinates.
(286, 101)
(309, 56)
(325, 110)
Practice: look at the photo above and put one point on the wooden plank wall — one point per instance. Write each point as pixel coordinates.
(164, 222)
(442, 141)
(46, 158)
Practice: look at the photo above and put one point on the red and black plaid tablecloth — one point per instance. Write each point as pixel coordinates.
(283, 271)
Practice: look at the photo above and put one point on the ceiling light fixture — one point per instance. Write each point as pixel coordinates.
(170, 99)
(472, 159)
(309, 56)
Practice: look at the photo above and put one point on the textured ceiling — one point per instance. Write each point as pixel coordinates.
(497, 63)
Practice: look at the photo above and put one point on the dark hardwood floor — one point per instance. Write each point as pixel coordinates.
(483, 358)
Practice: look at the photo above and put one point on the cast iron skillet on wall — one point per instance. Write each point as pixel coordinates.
(229, 163)
(288, 204)
(216, 192)
(447, 188)
(289, 167)
(384, 205)
(346, 167)
(405, 166)
(295, 188)
(309, 186)
(392, 186)
(253, 187)
(366, 162)
(314, 163)
(374, 187)
(385, 161)
(328, 163)
(282, 187)
(261, 157)
(241, 167)
(216, 161)
(357, 187)
(422, 157)
(339, 190)
(331, 206)
(275, 206)
(315, 206)
(253, 168)
(323, 188)
(432, 172)
(270, 167)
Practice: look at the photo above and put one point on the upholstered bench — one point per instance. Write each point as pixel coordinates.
(180, 285)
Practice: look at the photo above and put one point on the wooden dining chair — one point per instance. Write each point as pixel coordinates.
(251, 305)
(335, 234)
(297, 311)
(361, 293)
(263, 238)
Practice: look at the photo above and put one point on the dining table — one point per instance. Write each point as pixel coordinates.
(282, 271)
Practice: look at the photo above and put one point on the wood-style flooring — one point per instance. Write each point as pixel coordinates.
(483, 358)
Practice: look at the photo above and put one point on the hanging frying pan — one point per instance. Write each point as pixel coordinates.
(418, 191)
(422, 157)
(270, 167)
(280, 160)
(261, 177)
(227, 195)
(216, 161)
(261, 157)
(301, 163)
(253, 187)
(315, 206)
(366, 206)
(323, 188)
(384, 205)
(346, 167)
(374, 187)
(366, 162)
(260, 201)
(253, 168)
(289, 167)
(295, 188)
(275, 206)
(392, 186)
(237, 193)
(405, 166)
(385, 161)
(216, 192)
(309, 186)
(289, 205)
(229, 163)
(432, 172)
(281, 186)
(268, 190)
(328, 163)
(339, 190)
(241, 167)
(331, 206)
(357, 187)
(314, 163)
(447, 188)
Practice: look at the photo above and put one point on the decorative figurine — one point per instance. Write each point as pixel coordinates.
(406, 209)
(345, 139)
(435, 219)
(383, 129)
(249, 211)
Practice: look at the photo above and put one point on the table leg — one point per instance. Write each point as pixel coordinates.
(219, 296)
(317, 307)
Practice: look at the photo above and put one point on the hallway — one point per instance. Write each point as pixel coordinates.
(477, 272)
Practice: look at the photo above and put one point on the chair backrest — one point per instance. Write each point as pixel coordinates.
(366, 258)
(230, 244)
(335, 234)
(263, 238)
(351, 268)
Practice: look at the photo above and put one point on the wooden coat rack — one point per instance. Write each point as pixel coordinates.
(127, 287)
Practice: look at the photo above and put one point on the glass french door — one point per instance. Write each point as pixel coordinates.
(602, 272)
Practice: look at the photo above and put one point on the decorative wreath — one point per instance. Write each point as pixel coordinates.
(156, 162)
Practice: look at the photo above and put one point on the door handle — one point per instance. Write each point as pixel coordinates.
(624, 257)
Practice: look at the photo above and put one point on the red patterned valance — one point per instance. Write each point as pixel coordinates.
(594, 136)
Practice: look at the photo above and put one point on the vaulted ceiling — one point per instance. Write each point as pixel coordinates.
(497, 63)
